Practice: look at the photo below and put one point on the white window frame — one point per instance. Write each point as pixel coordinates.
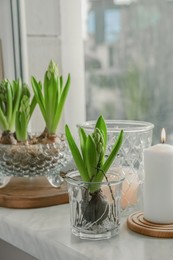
(12, 27)
(6, 37)
(73, 60)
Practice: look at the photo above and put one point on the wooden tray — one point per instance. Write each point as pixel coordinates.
(137, 223)
(23, 192)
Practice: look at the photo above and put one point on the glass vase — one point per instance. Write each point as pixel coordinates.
(31, 160)
(95, 215)
(137, 137)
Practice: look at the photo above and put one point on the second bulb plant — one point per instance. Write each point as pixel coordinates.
(93, 163)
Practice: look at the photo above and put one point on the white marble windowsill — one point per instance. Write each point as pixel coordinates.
(44, 233)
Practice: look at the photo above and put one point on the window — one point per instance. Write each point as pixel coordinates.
(129, 61)
(125, 58)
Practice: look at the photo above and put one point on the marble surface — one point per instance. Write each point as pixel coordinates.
(45, 234)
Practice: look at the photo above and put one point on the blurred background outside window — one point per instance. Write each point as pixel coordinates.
(129, 61)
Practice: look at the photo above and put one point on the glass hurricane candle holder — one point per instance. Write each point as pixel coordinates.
(96, 215)
(137, 137)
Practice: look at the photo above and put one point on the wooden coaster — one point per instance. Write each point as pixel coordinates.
(37, 192)
(137, 223)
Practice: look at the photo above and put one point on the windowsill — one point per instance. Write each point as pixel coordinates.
(45, 234)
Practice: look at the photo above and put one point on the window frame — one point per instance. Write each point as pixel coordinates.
(73, 60)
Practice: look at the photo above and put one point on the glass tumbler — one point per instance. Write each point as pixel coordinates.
(95, 207)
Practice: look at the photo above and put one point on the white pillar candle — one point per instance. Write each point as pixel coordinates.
(158, 184)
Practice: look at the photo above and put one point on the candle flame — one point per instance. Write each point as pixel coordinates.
(163, 136)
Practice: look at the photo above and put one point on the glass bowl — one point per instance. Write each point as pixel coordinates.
(30, 160)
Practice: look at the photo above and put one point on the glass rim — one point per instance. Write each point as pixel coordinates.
(74, 181)
(115, 125)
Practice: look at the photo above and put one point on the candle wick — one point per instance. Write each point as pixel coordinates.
(163, 140)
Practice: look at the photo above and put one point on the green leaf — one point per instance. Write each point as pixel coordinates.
(3, 121)
(9, 102)
(59, 90)
(17, 87)
(39, 96)
(113, 153)
(32, 106)
(90, 157)
(61, 83)
(54, 103)
(34, 101)
(83, 138)
(61, 103)
(49, 105)
(22, 119)
(76, 155)
(45, 89)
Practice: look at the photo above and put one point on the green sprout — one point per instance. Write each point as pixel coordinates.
(24, 114)
(90, 158)
(51, 97)
(10, 95)
(15, 108)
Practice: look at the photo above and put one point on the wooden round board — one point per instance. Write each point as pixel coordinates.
(137, 223)
(23, 192)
